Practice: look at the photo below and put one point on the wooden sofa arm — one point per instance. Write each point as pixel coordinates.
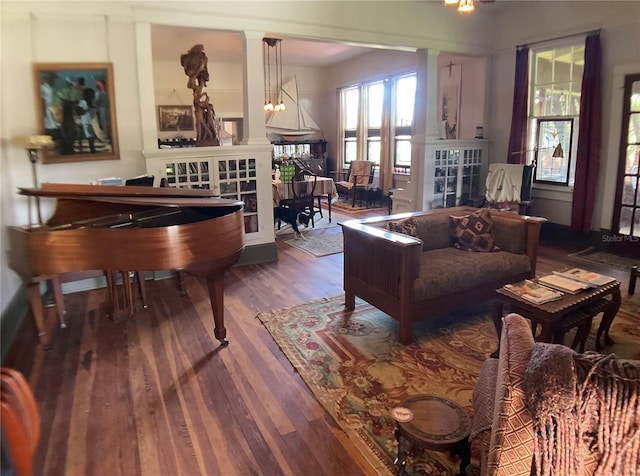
(379, 260)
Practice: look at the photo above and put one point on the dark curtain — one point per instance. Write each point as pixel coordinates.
(517, 152)
(589, 138)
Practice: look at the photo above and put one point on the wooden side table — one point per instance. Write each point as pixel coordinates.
(436, 423)
(550, 315)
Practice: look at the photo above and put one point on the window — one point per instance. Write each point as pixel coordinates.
(351, 100)
(405, 93)
(375, 98)
(386, 107)
(554, 110)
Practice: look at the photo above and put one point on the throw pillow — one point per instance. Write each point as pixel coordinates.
(408, 226)
(473, 232)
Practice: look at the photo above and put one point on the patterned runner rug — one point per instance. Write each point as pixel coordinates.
(591, 254)
(358, 371)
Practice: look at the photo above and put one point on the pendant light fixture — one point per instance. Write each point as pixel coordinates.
(464, 6)
(276, 45)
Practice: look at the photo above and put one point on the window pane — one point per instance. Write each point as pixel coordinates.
(403, 152)
(351, 100)
(553, 151)
(373, 150)
(544, 67)
(375, 96)
(635, 96)
(350, 151)
(405, 99)
(562, 65)
(559, 98)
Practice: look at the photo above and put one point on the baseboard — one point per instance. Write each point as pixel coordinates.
(564, 234)
(257, 254)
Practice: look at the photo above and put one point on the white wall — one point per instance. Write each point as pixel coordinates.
(528, 22)
(55, 31)
(119, 33)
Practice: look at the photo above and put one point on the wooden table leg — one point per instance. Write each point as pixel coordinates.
(329, 205)
(607, 319)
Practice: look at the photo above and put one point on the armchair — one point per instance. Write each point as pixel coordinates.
(539, 409)
(360, 175)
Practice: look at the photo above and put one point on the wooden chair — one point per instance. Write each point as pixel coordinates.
(20, 420)
(360, 175)
(303, 190)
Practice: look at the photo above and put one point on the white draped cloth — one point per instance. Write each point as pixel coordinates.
(504, 183)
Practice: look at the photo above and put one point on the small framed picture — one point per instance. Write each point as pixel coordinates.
(175, 118)
(75, 105)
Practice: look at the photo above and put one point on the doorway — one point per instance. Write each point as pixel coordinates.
(625, 228)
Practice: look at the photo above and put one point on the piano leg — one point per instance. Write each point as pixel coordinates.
(120, 301)
(33, 290)
(215, 283)
(57, 292)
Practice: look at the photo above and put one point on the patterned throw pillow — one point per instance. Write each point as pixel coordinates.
(408, 226)
(473, 232)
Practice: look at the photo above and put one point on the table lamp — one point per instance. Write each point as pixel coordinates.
(33, 144)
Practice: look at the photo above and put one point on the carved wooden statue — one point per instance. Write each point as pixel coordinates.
(195, 66)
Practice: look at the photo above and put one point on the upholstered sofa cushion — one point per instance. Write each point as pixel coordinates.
(473, 232)
(408, 226)
(511, 446)
(447, 270)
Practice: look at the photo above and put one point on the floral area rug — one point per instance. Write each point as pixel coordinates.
(358, 371)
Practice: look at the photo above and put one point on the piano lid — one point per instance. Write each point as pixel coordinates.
(134, 195)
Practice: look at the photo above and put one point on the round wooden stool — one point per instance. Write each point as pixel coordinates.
(433, 423)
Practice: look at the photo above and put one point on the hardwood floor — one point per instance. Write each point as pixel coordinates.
(156, 394)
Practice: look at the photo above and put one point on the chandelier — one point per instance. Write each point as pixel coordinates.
(267, 45)
(464, 6)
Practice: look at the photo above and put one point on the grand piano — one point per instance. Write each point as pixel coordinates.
(111, 228)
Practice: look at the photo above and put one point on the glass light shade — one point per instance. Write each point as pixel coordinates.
(558, 152)
(466, 6)
(450, 2)
(33, 142)
(269, 107)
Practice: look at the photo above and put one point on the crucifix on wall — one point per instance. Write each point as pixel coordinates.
(449, 100)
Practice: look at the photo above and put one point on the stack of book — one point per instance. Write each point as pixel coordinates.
(575, 280)
(533, 292)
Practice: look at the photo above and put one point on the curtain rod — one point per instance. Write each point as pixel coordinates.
(585, 33)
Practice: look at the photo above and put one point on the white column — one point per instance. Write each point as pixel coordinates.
(254, 130)
(419, 190)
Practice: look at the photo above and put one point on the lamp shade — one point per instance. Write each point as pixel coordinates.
(558, 152)
(33, 142)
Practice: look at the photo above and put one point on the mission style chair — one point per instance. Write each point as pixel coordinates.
(359, 176)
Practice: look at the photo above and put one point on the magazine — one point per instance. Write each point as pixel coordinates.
(561, 283)
(533, 292)
(591, 278)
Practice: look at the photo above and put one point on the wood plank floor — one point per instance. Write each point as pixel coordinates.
(156, 394)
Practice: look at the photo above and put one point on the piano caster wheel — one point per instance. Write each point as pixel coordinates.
(224, 342)
(145, 307)
(63, 326)
(47, 347)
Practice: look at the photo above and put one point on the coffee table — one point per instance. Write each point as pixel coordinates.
(551, 314)
(434, 423)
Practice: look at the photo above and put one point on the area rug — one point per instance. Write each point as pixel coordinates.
(358, 371)
(592, 254)
(347, 206)
(319, 244)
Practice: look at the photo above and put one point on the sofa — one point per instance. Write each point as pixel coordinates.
(411, 267)
(544, 409)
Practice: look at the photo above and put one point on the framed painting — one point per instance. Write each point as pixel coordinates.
(175, 118)
(75, 105)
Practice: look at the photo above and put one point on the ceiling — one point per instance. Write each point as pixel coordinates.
(169, 42)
